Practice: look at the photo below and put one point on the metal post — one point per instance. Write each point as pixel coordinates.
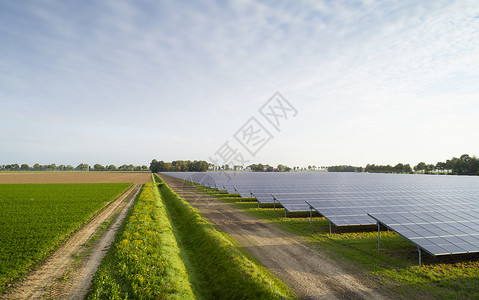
(379, 236)
(274, 205)
(329, 227)
(285, 212)
(419, 251)
(236, 192)
(310, 216)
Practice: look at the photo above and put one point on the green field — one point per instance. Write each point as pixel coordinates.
(36, 218)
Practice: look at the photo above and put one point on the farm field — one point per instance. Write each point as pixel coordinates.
(75, 177)
(36, 218)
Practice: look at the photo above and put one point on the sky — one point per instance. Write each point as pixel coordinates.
(359, 82)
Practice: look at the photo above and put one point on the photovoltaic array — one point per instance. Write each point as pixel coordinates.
(440, 214)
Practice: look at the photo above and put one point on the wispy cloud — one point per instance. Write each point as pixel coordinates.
(189, 69)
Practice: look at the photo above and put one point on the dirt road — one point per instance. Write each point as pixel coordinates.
(68, 272)
(308, 272)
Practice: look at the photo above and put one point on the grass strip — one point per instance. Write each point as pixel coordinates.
(144, 261)
(219, 268)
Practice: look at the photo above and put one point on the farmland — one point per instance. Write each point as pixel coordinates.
(74, 177)
(36, 218)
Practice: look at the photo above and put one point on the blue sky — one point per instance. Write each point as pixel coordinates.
(116, 82)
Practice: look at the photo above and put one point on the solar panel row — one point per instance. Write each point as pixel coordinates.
(437, 213)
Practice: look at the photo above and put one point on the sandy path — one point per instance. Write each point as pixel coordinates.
(308, 272)
(45, 281)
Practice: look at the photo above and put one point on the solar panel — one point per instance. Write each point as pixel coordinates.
(437, 213)
(437, 232)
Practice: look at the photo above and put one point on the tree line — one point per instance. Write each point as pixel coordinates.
(80, 167)
(464, 165)
(267, 168)
(179, 166)
(344, 168)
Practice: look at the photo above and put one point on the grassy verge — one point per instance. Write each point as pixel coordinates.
(218, 268)
(395, 265)
(144, 262)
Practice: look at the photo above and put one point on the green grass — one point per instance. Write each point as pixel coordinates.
(166, 250)
(395, 266)
(36, 218)
(218, 267)
(144, 261)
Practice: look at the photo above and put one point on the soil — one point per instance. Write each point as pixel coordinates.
(74, 177)
(67, 274)
(306, 269)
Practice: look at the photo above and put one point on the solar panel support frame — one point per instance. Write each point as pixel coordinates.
(379, 236)
(379, 241)
(310, 214)
(236, 192)
(419, 252)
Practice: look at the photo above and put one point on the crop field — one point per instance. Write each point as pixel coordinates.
(75, 177)
(36, 218)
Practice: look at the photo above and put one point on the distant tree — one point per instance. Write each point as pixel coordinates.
(24, 167)
(98, 167)
(83, 167)
(474, 166)
(69, 167)
(407, 168)
(420, 167)
(440, 166)
(430, 168)
(154, 166)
